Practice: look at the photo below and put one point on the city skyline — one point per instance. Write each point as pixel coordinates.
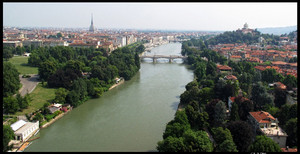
(159, 16)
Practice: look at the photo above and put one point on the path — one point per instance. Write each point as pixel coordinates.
(28, 84)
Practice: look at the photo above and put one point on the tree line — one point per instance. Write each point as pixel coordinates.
(204, 104)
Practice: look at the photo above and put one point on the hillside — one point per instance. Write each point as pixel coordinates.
(277, 30)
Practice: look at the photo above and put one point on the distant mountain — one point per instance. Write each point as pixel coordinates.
(277, 30)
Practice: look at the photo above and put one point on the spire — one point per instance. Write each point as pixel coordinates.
(92, 19)
(92, 28)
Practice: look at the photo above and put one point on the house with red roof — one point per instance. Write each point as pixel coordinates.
(268, 125)
(223, 69)
(287, 149)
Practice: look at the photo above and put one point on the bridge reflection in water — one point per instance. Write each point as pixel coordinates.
(169, 57)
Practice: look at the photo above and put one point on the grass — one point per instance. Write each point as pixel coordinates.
(39, 96)
(20, 62)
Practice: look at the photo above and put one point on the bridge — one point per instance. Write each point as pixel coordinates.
(171, 57)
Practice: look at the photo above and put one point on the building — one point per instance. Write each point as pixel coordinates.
(223, 69)
(35, 43)
(12, 44)
(245, 29)
(55, 107)
(24, 130)
(268, 125)
(92, 28)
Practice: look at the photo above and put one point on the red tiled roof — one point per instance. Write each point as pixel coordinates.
(262, 116)
(280, 85)
(278, 63)
(235, 56)
(260, 68)
(230, 77)
(223, 67)
(289, 150)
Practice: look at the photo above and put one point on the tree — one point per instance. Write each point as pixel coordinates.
(8, 135)
(210, 109)
(220, 114)
(205, 95)
(234, 113)
(7, 53)
(291, 128)
(60, 95)
(197, 119)
(242, 134)
(290, 82)
(197, 141)
(171, 144)
(264, 144)
(73, 98)
(244, 107)
(38, 117)
(223, 139)
(280, 97)
(11, 81)
(175, 129)
(260, 97)
(23, 101)
(10, 104)
(270, 76)
(47, 68)
(226, 146)
(190, 95)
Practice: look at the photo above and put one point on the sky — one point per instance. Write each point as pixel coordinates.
(160, 16)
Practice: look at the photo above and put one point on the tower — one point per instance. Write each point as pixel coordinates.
(92, 28)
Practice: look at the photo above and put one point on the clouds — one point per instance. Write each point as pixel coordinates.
(176, 16)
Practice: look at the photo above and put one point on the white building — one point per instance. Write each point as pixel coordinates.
(24, 130)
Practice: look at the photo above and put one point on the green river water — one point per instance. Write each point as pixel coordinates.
(130, 117)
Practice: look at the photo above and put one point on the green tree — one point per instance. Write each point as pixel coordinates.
(60, 95)
(291, 128)
(73, 98)
(7, 54)
(226, 146)
(197, 141)
(220, 114)
(8, 135)
(197, 119)
(234, 113)
(47, 68)
(260, 97)
(264, 144)
(280, 97)
(10, 105)
(242, 134)
(38, 117)
(171, 144)
(11, 81)
(290, 82)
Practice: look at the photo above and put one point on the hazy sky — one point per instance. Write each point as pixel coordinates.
(172, 16)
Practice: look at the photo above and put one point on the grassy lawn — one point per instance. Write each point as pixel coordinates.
(39, 96)
(20, 63)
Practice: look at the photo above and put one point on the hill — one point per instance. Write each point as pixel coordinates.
(277, 30)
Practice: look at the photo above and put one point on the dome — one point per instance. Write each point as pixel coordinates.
(246, 26)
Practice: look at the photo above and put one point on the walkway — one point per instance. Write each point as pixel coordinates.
(29, 84)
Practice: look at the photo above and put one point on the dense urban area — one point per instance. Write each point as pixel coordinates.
(243, 97)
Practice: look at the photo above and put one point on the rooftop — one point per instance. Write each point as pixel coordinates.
(262, 116)
(15, 126)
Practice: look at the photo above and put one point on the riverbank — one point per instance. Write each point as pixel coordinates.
(117, 84)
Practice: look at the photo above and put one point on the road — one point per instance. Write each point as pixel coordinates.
(28, 84)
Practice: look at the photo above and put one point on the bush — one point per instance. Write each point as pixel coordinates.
(49, 116)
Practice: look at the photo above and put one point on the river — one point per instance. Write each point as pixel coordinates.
(130, 117)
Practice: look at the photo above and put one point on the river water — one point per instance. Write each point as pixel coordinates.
(130, 117)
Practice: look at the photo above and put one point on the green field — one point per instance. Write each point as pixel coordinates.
(20, 62)
(39, 96)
